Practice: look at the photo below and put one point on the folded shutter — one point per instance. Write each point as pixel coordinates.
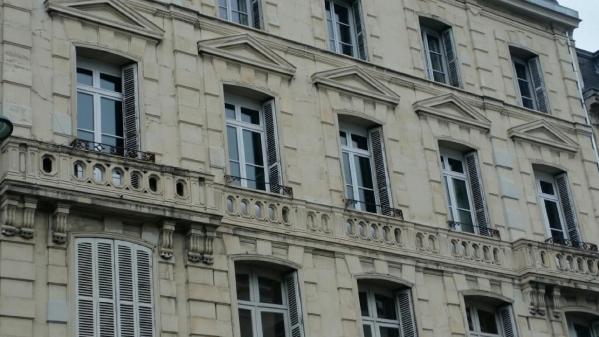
(85, 288)
(451, 57)
(106, 294)
(256, 14)
(360, 38)
(295, 306)
(427, 55)
(144, 292)
(406, 313)
(478, 193)
(507, 321)
(538, 83)
(126, 295)
(130, 110)
(567, 202)
(272, 148)
(380, 168)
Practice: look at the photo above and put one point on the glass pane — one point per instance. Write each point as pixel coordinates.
(116, 143)
(582, 331)
(520, 70)
(252, 144)
(250, 116)
(524, 88)
(455, 165)
(469, 318)
(385, 306)
(553, 214)
(434, 45)
(240, 5)
(273, 324)
(89, 136)
(270, 291)
(230, 111)
(347, 49)
(245, 323)
(243, 287)
(363, 172)
(527, 103)
(487, 322)
(437, 62)
(363, 304)
(461, 194)
(346, 169)
(343, 137)
(345, 34)
(367, 330)
(439, 76)
(222, 12)
(255, 177)
(367, 197)
(341, 14)
(112, 117)
(111, 83)
(232, 143)
(389, 332)
(85, 77)
(359, 142)
(466, 221)
(85, 111)
(240, 18)
(547, 187)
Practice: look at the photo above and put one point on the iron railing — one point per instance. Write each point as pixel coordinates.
(87, 145)
(475, 229)
(573, 244)
(261, 185)
(374, 208)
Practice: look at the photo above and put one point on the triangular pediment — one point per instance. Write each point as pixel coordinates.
(451, 108)
(357, 81)
(113, 13)
(544, 133)
(244, 48)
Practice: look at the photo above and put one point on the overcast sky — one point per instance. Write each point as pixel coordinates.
(587, 34)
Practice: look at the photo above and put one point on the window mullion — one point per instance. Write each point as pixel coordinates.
(97, 118)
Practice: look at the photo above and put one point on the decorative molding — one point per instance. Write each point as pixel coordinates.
(166, 239)
(125, 17)
(27, 229)
(259, 55)
(355, 80)
(534, 295)
(200, 243)
(544, 133)
(60, 225)
(8, 216)
(451, 108)
(556, 302)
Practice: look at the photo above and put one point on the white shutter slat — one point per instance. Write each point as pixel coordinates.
(105, 276)
(538, 83)
(144, 293)
(380, 169)
(295, 307)
(406, 313)
(130, 110)
(85, 286)
(478, 194)
(125, 290)
(567, 202)
(451, 57)
(272, 148)
(507, 320)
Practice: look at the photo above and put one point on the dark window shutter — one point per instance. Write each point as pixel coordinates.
(406, 313)
(380, 168)
(105, 276)
(295, 307)
(507, 321)
(538, 84)
(130, 110)
(85, 288)
(567, 202)
(360, 38)
(478, 193)
(272, 149)
(256, 14)
(453, 74)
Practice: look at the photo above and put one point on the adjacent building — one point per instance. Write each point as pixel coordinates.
(268, 168)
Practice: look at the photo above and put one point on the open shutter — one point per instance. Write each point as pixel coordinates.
(130, 110)
(406, 313)
(295, 306)
(360, 38)
(85, 288)
(380, 168)
(507, 321)
(126, 295)
(538, 83)
(144, 292)
(272, 148)
(567, 202)
(256, 14)
(452, 60)
(106, 294)
(478, 193)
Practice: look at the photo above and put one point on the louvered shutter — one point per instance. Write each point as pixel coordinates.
(478, 194)
(380, 168)
(538, 84)
(596, 328)
(507, 321)
(106, 293)
(144, 292)
(360, 38)
(85, 288)
(126, 293)
(272, 148)
(567, 202)
(406, 313)
(256, 14)
(130, 110)
(453, 74)
(295, 306)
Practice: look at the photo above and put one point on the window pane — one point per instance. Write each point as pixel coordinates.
(455, 165)
(85, 77)
(582, 331)
(520, 70)
(487, 322)
(250, 116)
(547, 187)
(342, 14)
(240, 18)
(346, 169)
(553, 214)
(367, 330)
(466, 221)
(434, 45)
(270, 291)
(230, 111)
(232, 143)
(343, 137)
(363, 172)
(273, 324)
(527, 103)
(389, 332)
(345, 34)
(116, 143)
(359, 142)
(239, 5)
(469, 318)
(112, 117)
(245, 323)
(363, 304)
(252, 144)
(347, 49)
(385, 306)
(109, 82)
(367, 197)
(255, 177)
(85, 111)
(242, 282)
(439, 76)
(89, 136)
(461, 194)
(437, 62)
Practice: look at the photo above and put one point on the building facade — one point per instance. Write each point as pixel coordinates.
(588, 63)
(261, 168)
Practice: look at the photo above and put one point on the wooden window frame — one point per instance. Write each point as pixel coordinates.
(448, 176)
(541, 197)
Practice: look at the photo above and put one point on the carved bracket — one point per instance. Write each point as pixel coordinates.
(534, 294)
(556, 302)
(18, 217)
(60, 225)
(166, 239)
(200, 243)
(27, 226)
(8, 216)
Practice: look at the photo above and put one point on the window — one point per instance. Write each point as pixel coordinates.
(114, 288)
(364, 169)
(582, 325)
(252, 143)
(346, 32)
(440, 53)
(529, 80)
(487, 320)
(386, 313)
(244, 12)
(107, 106)
(268, 302)
(464, 191)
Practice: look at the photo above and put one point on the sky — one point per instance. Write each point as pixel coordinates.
(586, 35)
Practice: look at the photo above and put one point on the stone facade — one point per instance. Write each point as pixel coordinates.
(177, 199)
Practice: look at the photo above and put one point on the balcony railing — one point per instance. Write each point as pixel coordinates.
(87, 145)
(591, 247)
(374, 208)
(475, 229)
(261, 185)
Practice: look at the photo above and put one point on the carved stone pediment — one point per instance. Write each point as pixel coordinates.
(246, 49)
(110, 13)
(544, 133)
(357, 81)
(451, 108)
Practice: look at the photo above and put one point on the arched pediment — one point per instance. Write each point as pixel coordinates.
(451, 108)
(544, 133)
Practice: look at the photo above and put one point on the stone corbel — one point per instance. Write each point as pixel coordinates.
(27, 228)
(200, 240)
(556, 302)
(534, 295)
(8, 216)
(60, 225)
(541, 299)
(166, 239)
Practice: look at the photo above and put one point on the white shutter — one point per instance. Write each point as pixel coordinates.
(126, 294)
(359, 23)
(377, 145)
(478, 193)
(567, 203)
(453, 74)
(507, 321)
(86, 314)
(272, 148)
(130, 110)
(538, 84)
(295, 305)
(105, 288)
(144, 292)
(406, 313)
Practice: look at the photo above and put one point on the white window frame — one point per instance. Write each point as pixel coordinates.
(427, 31)
(533, 97)
(250, 13)
(448, 185)
(352, 153)
(336, 32)
(255, 306)
(98, 93)
(372, 320)
(243, 102)
(473, 308)
(593, 326)
(554, 198)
